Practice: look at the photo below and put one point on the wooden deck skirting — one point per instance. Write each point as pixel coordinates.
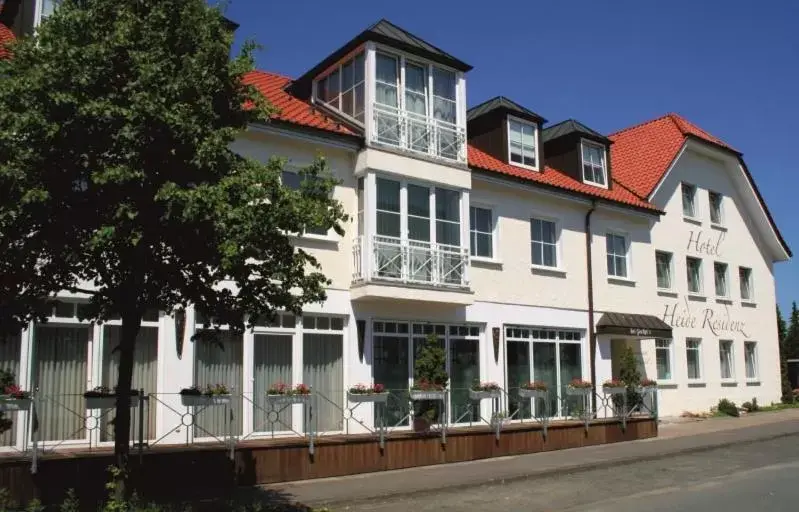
(185, 472)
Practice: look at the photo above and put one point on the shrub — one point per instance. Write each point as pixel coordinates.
(727, 407)
(429, 372)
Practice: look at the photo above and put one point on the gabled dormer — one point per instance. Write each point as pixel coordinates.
(507, 131)
(579, 151)
(404, 93)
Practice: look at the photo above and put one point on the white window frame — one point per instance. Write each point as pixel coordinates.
(670, 349)
(701, 278)
(731, 343)
(726, 294)
(671, 270)
(755, 363)
(699, 360)
(604, 167)
(751, 285)
(350, 57)
(494, 233)
(558, 260)
(404, 182)
(720, 221)
(627, 258)
(694, 204)
(536, 154)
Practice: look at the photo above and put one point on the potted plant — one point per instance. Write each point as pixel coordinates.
(648, 385)
(280, 393)
(360, 393)
(534, 389)
(101, 397)
(499, 418)
(14, 398)
(217, 394)
(614, 387)
(483, 390)
(430, 382)
(579, 387)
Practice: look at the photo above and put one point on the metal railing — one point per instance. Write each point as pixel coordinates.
(56, 422)
(410, 261)
(418, 133)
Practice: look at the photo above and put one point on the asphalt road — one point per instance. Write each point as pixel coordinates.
(762, 476)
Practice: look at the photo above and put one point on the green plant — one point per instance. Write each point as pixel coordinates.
(630, 374)
(484, 386)
(580, 384)
(429, 370)
(751, 406)
(137, 104)
(728, 408)
(536, 385)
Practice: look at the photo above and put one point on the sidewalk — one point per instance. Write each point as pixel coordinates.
(673, 439)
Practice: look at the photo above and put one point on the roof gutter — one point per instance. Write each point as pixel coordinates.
(589, 267)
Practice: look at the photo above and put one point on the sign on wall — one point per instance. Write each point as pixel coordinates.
(705, 245)
(718, 322)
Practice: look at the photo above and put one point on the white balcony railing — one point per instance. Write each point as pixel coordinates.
(384, 258)
(418, 133)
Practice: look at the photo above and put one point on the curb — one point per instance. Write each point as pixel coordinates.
(561, 471)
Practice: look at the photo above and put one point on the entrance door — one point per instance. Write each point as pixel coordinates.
(272, 365)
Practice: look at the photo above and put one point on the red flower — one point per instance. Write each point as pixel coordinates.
(379, 388)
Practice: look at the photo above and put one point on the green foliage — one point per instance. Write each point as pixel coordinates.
(430, 367)
(751, 406)
(6, 379)
(118, 179)
(782, 335)
(727, 408)
(630, 375)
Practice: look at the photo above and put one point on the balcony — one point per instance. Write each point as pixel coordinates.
(418, 133)
(413, 265)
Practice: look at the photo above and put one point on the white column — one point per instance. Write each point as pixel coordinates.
(175, 372)
(369, 77)
(465, 220)
(370, 227)
(248, 384)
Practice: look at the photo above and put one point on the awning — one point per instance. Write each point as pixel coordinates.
(637, 326)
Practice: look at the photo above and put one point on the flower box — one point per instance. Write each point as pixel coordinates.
(499, 421)
(578, 391)
(377, 398)
(646, 389)
(107, 401)
(532, 393)
(419, 394)
(614, 390)
(482, 395)
(288, 399)
(190, 400)
(10, 403)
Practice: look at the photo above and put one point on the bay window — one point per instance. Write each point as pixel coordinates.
(417, 235)
(343, 88)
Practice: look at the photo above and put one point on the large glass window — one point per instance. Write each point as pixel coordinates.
(544, 242)
(693, 356)
(395, 347)
(522, 143)
(388, 208)
(145, 364)
(663, 262)
(323, 371)
(219, 360)
(547, 355)
(688, 200)
(272, 356)
(448, 225)
(694, 269)
(616, 246)
(594, 170)
(481, 231)
(726, 360)
(663, 359)
(60, 374)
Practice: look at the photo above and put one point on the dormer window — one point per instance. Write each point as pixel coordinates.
(522, 145)
(594, 169)
(343, 88)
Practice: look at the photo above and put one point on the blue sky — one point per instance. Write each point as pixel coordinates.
(730, 66)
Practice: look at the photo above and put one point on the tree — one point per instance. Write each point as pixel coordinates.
(630, 374)
(782, 334)
(792, 335)
(118, 182)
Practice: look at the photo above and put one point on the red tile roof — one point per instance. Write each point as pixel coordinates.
(291, 109)
(642, 154)
(555, 178)
(294, 110)
(6, 36)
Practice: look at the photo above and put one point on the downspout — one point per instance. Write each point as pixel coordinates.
(590, 272)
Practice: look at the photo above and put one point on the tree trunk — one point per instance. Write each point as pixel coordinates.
(131, 323)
